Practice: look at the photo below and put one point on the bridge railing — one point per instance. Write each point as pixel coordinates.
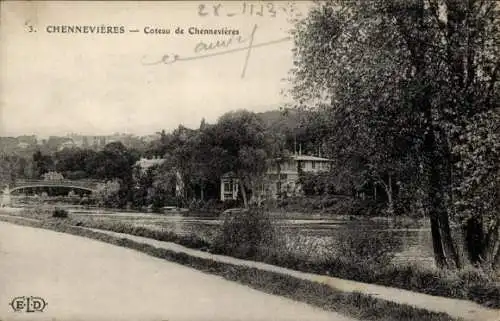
(62, 182)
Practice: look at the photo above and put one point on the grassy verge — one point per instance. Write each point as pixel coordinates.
(190, 241)
(356, 305)
(469, 284)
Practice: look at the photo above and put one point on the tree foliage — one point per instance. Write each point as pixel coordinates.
(398, 82)
(239, 138)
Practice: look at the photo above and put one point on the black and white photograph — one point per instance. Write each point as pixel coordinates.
(250, 160)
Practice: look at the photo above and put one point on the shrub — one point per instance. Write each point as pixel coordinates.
(293, 251)
(244, 234)
(372, 248)
(60, 213)
(231, 204)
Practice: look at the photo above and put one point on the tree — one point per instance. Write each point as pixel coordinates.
(398, 81)
(11, 168)
(114, 161)
(164, 183)
(239, 139)
(41, 164)
(278, 154)
(107, 194)
(75, 163)
(143, 182)
(478, 188)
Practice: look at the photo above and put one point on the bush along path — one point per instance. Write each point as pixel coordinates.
(355, 299)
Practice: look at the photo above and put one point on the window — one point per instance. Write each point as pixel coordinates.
(313, 164)
(228, 187)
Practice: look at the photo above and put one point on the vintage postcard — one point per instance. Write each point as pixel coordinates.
(249, 160)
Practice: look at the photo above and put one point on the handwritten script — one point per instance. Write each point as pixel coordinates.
(268, 9)
(204, 50)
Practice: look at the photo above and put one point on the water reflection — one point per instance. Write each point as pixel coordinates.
(415, 240)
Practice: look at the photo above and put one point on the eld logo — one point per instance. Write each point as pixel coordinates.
(28, 304)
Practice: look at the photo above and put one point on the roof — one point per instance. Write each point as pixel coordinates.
(310, 158)
(146, 163)
(229, 175)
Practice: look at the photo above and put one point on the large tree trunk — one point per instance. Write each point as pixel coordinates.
(390, 198)
(278, 186)
(446, 172)
(495, 253)
(433, 162)
(492, 243)
(422, 103)
(388, 191)
(444, 249)
(434, 205)
(449, 244)
(474, 239)
(437, 245)
(243, 193)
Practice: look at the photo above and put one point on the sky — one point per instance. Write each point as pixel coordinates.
(88, 83)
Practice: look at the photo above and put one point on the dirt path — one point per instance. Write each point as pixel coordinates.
(456, 308)
(83, 279)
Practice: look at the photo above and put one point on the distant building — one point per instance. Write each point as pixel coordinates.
(23, 145)
(276, 181)
(145, 163)
(150, 138)
(67, 144)
(96, 142)
(52, 176)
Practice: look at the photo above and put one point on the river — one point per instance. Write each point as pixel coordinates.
(318, 233)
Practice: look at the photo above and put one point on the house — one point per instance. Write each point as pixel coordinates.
(145, 163)
(285, 178)
(229, 187)
(67, 144)
(23, 145)
(52, 176)
(282, 177)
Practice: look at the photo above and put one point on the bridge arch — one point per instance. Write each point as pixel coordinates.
(79, 186)
(17, 188)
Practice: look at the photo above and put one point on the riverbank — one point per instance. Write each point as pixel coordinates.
(365, 257)
(354, 304)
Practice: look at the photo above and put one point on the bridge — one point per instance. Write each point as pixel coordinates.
(86, 185)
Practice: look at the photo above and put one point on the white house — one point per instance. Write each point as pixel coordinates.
(229, 187)
(145, 163)
(52, 176)
(283, 179)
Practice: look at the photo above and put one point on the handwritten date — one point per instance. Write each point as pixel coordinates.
(269, 9)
